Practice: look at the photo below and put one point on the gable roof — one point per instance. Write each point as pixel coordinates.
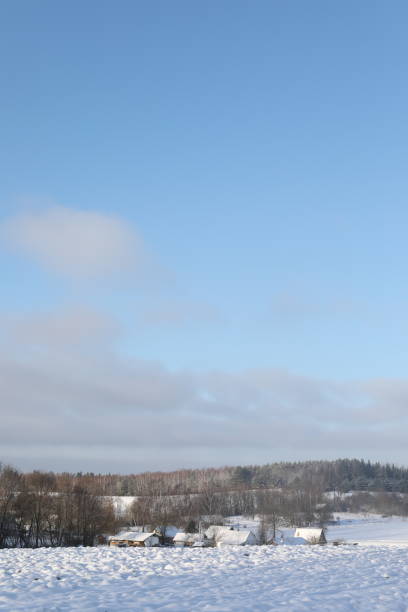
(187, 537)
(132, 536)
(215, 531)
(310, 533)
(236, 538)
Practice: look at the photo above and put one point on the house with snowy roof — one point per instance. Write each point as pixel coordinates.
(221, 535)
(214, 531)
(182, 539)
(311, 535)
(134, 538)
(244, 537)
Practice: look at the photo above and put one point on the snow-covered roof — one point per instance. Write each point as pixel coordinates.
(214, 531)
(236, 538)
(309, 533)
(187, 537)
(132, 536)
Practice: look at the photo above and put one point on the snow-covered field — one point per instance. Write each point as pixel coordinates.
(370, 529)
(293, 578)
(247, 578)
(361, 528)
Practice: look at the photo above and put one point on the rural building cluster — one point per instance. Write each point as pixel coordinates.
(215, 535)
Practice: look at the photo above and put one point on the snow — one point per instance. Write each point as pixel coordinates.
(226, 535)
(259, 578)
(215, 531)
(121, 503)
(369, 529)
(309, 534)
(372, 576)
(187, 537)
(238, 538)
(134, 536)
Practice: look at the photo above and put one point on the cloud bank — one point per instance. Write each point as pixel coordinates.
(70, 401)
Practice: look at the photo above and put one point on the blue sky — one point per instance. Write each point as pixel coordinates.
(253, 154)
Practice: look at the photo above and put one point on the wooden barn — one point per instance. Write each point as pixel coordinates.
(311, 535)
(133, 538)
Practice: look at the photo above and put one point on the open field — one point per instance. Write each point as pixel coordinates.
(247, 578)
(370, 529)
(367, 529)
(369, 576)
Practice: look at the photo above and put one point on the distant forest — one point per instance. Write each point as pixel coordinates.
(62, 509)
(341, 475)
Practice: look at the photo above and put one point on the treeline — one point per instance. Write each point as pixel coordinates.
(52, 509)
(304, 494)
(301, 507)
(46, 509)
(341, 475)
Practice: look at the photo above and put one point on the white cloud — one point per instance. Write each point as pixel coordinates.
(68, 327)
(95, 410)
(177, 313)
(76, 243)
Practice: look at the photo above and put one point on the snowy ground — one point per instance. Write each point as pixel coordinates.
(294, 578)
(365, 529)
(121, 503)
(246, 578)
(370, 529)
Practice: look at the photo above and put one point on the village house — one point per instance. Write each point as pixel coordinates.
(214, 531)
(311, 535)
(166, 534)
(228, 536)
(244, 537)
(134, 538)
(182, 539)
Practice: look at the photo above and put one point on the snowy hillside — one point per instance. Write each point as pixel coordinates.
(361, 528)
(369, 529)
